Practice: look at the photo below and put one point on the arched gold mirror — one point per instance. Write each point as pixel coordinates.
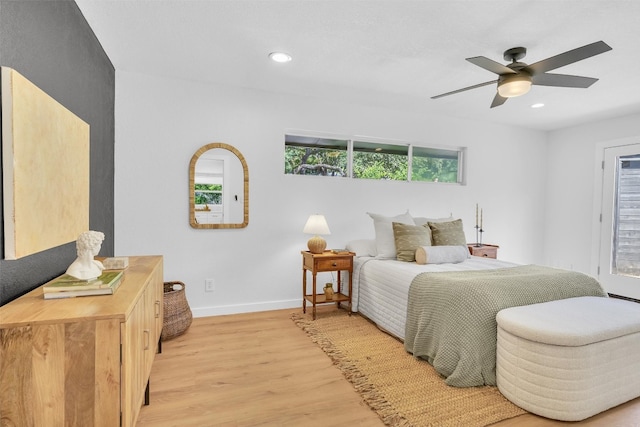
(218, 187)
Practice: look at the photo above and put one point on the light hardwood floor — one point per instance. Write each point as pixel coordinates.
(259, 369)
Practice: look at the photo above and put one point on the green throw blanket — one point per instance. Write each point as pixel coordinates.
(451, 316)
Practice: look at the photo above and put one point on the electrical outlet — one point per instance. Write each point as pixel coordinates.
(209, 285)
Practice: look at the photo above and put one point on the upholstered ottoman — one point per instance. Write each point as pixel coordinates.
(569, 359)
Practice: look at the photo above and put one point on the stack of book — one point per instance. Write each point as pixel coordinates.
(67, 286)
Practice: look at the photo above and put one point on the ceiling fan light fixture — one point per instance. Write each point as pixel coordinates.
(515, 79)
(511, 86)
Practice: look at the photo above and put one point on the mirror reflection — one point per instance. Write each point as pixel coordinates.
(218, 188)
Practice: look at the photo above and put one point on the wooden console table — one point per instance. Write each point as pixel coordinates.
(82, 361)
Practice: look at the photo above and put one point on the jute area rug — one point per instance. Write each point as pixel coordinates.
(402, 390)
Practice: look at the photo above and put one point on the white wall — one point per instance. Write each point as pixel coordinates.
(573, 175)
(160, 123)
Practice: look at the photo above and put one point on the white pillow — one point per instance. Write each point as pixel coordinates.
(364, 247)
(422, 220)
(385, 242)
(441, 254)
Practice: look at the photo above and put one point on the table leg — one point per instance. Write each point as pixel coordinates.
(304, 290)
(350, 292)
(339, 288)
(313, 298)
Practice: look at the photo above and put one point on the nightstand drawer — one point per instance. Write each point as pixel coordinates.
(333, 264)
(486, 251)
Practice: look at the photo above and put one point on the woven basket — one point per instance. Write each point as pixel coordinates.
(177, 314)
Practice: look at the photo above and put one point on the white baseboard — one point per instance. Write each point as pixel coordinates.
(245, 308)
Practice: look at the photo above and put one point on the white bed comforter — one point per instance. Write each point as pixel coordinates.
(381, 287)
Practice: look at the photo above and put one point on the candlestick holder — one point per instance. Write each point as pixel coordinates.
(478, 240)
(481, 231)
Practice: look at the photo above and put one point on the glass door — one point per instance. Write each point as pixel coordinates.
(619, 266)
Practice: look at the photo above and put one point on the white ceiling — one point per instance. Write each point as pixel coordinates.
(392, 53)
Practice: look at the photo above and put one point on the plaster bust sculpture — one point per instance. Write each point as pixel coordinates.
(87, 246)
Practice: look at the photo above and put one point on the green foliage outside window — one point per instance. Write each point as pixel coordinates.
(208, 187)
(434, 170)
(208, 194)
(380, 166)
(329, 157)
(315, 161)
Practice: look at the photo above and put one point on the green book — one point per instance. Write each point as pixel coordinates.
(84, 293)
(66, 283)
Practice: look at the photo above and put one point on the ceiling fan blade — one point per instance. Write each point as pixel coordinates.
(491, 65)
(464, 89)
(568, 57)
(498, 100)
(562, 80)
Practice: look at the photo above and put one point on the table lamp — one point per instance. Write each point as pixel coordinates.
(316, 224)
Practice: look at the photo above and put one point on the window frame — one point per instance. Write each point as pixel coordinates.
(332, 143)
(351, 140)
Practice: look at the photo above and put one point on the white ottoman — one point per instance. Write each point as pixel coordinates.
(569, 359)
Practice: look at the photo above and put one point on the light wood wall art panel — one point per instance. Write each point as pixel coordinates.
(45, 155)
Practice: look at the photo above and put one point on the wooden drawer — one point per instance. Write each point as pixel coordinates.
(333, 264)
(486, 251)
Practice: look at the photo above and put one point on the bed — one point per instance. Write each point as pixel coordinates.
(381, 290)
(458, 332)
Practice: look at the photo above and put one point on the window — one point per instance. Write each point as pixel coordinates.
(208, 194)
(435, 165)
(380, 161)
(209, 182)
(315, 156)
(362, 159)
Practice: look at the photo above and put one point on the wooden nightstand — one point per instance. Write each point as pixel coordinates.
(487, 251)
(326, 261)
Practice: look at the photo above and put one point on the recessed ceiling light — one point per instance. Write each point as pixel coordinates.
(538, 105)
(280, 56)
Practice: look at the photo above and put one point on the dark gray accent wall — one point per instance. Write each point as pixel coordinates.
(51, 44)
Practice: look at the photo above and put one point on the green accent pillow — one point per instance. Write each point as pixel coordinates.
(447, 233)
(408, 238)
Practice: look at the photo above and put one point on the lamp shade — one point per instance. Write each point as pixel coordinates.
(316, 224)
(510, 86)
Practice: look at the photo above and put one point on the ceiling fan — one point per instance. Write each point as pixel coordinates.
(516, 78)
